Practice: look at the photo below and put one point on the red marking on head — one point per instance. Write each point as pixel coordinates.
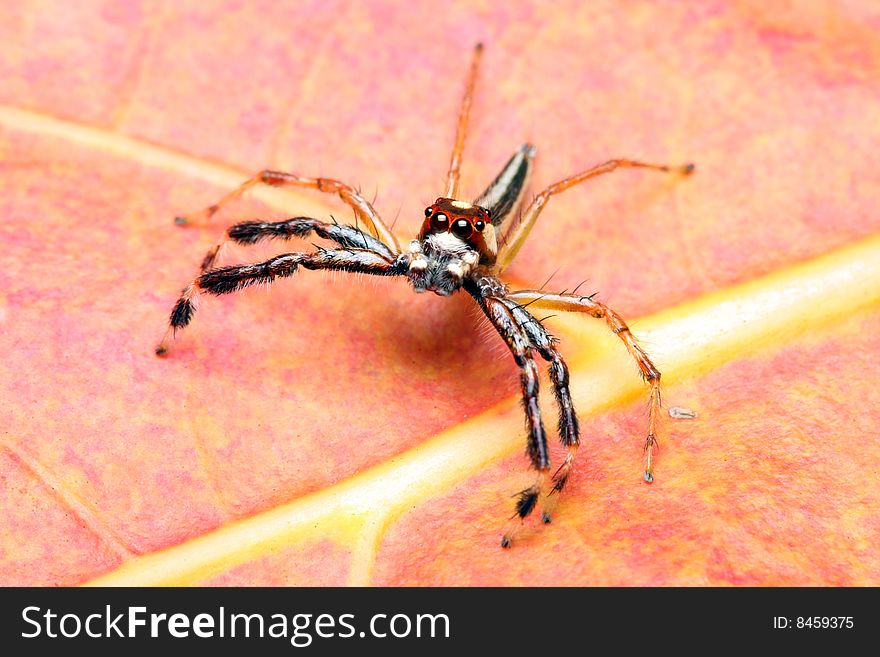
(470, 223)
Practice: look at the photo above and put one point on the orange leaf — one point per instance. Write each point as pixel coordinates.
(318, 434)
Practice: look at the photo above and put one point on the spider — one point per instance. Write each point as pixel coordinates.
(461, 246)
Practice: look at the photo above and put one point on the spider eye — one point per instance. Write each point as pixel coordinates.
(428, 211)
(462, 228)
(480, 225)
(440, 222)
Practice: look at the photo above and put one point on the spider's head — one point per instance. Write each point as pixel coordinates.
(469, 224)
(455, 237)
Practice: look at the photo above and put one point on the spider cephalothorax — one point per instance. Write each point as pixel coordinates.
(456, 238)
(460, 246)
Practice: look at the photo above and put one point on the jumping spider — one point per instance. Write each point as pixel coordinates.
(460, 246)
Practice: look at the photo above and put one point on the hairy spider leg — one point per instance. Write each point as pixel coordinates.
(568, 427)
(348, 194)
(251, 232)
(573, 303)
(225, 280)
(461, 130)
(520, 332)
(517, 237)
(517, 342)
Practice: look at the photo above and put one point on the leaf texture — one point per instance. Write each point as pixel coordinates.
(337, 431)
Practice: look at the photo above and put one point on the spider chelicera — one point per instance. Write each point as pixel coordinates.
(461, 245)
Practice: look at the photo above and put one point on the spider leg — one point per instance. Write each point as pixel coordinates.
(517, 237)
(569, 428)
(502, 318)
(348, 194)
(461, 131)
(251, 232)
(225, 280)
(574, 303)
